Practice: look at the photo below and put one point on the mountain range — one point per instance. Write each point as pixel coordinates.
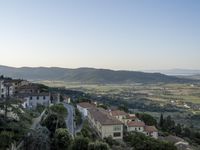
(88, 75)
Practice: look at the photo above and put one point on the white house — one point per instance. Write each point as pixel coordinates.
(135, 126)
(5, 89)
(104, 124)
(32, 100)
(151, 131)
(119, 114)
(83, 108)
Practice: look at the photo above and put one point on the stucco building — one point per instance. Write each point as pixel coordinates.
(105, 124)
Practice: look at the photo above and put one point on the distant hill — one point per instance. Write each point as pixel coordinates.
(193, 77)
(88, 75)
(177, 72)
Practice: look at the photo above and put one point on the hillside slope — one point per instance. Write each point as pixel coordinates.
(88, 75)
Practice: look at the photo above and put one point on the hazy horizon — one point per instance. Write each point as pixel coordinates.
(119, 35)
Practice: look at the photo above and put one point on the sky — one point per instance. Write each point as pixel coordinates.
(114, 34)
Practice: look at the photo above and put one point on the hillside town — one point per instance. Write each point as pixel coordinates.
(102, 122)
(113, 122)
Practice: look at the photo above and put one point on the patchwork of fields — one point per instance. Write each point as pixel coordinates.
(181, 101)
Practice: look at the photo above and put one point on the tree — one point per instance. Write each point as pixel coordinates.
(80, 143)
(110, 141)
(98, 146)
(161, 122)
(37, 140)
(78, 117)
(62, 139)
(169, 124)
(59, 109)
(123, 108)
(148, 119)
(6, 138)
(139, 141)
(53, 122)
(186, 132)
(178, 129)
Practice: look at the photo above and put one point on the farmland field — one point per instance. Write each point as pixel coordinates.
(181, 101)
(156, 92)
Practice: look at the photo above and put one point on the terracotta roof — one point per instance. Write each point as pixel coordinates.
(32, 94)
(150, 129)
(136, 124)
(86, 105)
(104, 118)
(131, 116)
(118, 113)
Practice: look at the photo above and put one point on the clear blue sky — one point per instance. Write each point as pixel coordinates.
(116, 34)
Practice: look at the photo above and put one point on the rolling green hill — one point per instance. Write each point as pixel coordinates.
(88, 75)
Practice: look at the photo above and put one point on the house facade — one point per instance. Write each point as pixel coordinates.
(135, 126)
(118, 114)
(151, 131)
(132, 123)
(104, 124)
(32, 100)
(6, 89)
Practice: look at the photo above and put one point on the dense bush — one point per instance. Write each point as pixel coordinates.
(59, 109)
(148, 119)
(80, 143)
(168, 125)
(62, 139)
(98, 146)
(78, 117)
(6, 138)
(139, 141)
(53, 122)
(37, 140)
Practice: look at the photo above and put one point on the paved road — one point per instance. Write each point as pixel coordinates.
(70, 118)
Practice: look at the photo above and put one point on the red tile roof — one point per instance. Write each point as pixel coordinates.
(86, 105)
(136, 124)
(103, 118)
(150, 129)
(131, 116)
(118, 113)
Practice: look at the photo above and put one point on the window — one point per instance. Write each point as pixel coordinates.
(31, 98)
(117, 134)
(37, 97)
(2, 90)
(139, 128)
(117, 128)
(44, 97)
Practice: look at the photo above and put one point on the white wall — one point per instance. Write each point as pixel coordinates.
(4, 90)
(138, 129)
(108, 130)
(34, 101)
(83, 111)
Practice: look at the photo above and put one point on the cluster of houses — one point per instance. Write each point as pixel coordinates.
(28, 93)
(114, 122)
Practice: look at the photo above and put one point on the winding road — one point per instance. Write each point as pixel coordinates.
(70, 118)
